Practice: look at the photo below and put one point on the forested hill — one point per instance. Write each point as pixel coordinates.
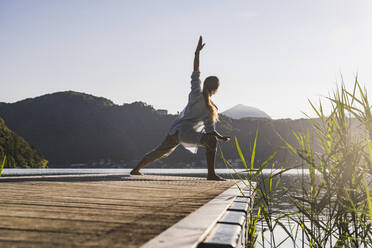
(71, 127)
(19, 154)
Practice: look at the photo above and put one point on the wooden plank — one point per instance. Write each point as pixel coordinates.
(55, 225)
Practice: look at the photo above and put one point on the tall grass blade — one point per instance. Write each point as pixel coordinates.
(2, 165)
(369, 199)
(370, 152)
(255, 222)
(228, 165)
(240, 153)
(315, 109)
(254, 150)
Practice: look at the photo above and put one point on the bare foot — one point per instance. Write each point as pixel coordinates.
(215, 178)
(135, 172)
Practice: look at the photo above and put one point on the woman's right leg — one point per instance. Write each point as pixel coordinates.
(169, 144)
(209, 141)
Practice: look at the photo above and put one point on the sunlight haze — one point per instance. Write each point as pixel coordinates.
(272, 55)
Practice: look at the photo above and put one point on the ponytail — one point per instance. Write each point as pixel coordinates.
(208, 102)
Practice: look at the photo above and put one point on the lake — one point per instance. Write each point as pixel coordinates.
(175, 172)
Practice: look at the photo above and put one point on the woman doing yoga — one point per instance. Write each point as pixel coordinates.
(195, 125)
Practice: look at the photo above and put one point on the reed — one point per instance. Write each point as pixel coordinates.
(333, 206)
(335, 201)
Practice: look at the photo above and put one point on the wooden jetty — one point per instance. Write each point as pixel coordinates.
(97, 210)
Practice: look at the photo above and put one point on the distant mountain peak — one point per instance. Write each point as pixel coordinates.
(242, 111)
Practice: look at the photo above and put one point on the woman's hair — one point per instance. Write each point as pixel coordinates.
(210, 87)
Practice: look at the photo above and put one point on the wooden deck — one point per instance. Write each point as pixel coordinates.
(96, 210)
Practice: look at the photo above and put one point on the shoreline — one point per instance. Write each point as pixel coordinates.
(150, 171)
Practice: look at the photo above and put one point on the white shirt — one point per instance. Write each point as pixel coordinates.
(195, 119)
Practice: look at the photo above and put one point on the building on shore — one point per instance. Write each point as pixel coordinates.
(162, 111)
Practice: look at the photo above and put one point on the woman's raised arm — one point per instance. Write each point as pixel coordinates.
(197, 52)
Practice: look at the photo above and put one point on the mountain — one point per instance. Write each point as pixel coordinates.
(19, 154)
(241, 111)
(72, 128)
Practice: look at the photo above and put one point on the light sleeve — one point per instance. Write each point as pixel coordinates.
(195, 84)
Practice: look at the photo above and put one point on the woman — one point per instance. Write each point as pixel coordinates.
(195, 126)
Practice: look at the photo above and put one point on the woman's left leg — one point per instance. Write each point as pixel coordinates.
(163, 150)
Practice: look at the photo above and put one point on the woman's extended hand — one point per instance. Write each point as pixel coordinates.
(200, 45)
(225, 138)
(197, 51)
(219, 136)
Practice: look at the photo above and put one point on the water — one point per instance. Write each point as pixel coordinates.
(290, 180)
(293, 182)
(174, 172)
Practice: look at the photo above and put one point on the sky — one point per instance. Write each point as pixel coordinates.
(273, 55)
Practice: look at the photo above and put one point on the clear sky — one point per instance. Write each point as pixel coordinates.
(273, 55)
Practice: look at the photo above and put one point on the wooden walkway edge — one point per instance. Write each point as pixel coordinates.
(219, 223)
